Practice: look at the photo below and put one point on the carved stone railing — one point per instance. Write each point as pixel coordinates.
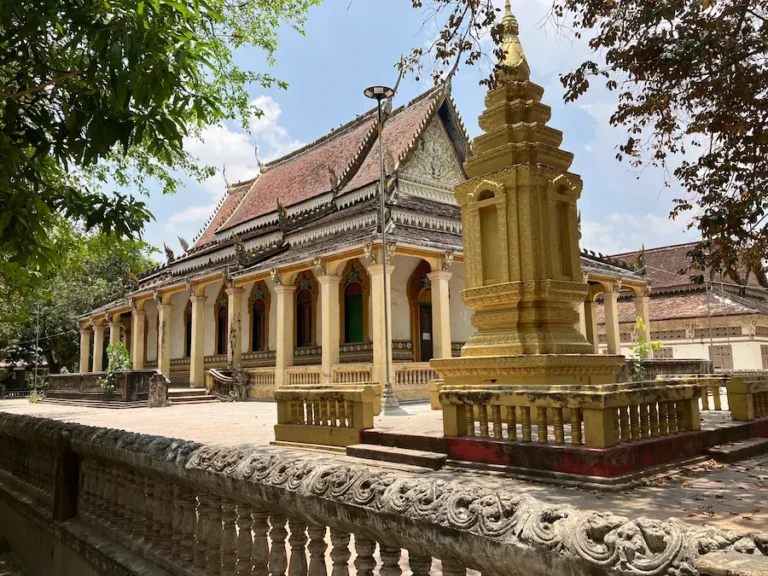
(130, 386)
(709, 385)
(225, 385)
(599, 416)
(748, 396)
(352, 373)
(412, 380)
(262, 382)
(302, 375)
(192, 509)
(329, 416)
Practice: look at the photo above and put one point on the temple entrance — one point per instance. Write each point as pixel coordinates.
(221, 340)
(303, 319)
(425, 332)
(353, 313)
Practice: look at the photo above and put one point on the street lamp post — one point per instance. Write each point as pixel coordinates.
(389, 403)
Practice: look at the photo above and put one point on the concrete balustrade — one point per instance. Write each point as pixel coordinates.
(748, 396)
(190, 509)
(352, 373)
(262, 382)
(598, 416)
(330, 416)
(302, 375)
(411, 380)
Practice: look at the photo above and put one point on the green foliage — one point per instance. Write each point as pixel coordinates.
(642, 351)
(119, 359)
(34, 397)
(96, 97)
(91, 273)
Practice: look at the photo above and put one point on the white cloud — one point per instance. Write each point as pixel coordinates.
(624, 232)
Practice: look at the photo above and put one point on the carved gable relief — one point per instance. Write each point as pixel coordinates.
(433, 161)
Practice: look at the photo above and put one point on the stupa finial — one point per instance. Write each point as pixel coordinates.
(513, 62)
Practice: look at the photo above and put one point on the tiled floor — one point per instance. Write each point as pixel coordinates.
(730, 496)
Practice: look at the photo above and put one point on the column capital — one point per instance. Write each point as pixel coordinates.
(379, 269)
(98, 327)
(234, 290)
(196, 298)
(285, 289)
(164, 307)
(439, 275)
(84, 329)
(642, 298)
(328, 278)
(139, 313)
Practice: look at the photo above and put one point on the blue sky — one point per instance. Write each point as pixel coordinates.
(349, 47)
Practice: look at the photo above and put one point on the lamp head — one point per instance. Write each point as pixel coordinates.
(379, 93)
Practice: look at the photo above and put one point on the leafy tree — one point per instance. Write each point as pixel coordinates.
(691, 78)
(93, 271)
(95, 95)
(118, 359)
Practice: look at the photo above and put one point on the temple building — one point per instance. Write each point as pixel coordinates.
(286, 278)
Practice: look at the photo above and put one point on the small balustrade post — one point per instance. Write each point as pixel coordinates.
(496, 413)
(680, 415)
(716, 397)
(705, 398)
(576, 426)
(557, 416)
(149, 506)
(121, 509)
(420, 564)
(672, 417)
(541, 424)
(332, 413)
(228, 537)
(663, 429)
(102, 491)
(616, 427)
(511, 423)
(297, 565)
(469, 412)
(365, 563)
(390, 560)
(260, 554)
(201, 532)
(343, 413)
(483, 414)
(158, 536)
(213, 536)
(634, 422)
(340, 553)
(645, 429)
(187, 543)
(278, 558)
(624, 423)
(317, 547)
(244, 540)
(176, 534)
(525, 422)
(653, 418)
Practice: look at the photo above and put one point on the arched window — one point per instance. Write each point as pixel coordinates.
(258, 305)
(187, 330)
(221, 317)
(306, 307)
(420, 303)
(353, 303)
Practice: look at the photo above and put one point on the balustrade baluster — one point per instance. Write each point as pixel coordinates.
(158, 537)
(390, 560)
(244, 540)
(332, 413)
(110, 497)
(187, 544)
(525, 422)
(496, 414)
(365, 563)
(228, 537)
(297, 565)
(716, 397)
(705, 398)
(323, 412)
(120, 499)
(278, 559)
(644, 428)
(511, 424)
(616, 429)
(213, 536)
(149, 505)
(135, 504)
(672, 417)
(663, 429)
(653, 417)
(419, 564)
(624, 423)
(541, 424)
(634, 422)
(84, 488)
(453, 569)
(201, 532)
(483, 414)
(100, 503)
(343, 413)
(576, 426)
(680, 416)
(260, 553)
(469, 412)
(340, 553)
(176, 523)
(317, 547)
(557, 415)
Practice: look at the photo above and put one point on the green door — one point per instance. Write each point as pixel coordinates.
(353, 318)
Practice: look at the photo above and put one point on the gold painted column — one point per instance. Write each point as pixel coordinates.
(164, 309)
(138, 318)
(590, 324)
(611, 304)
(85, 348)
(330, 322)
(286, 308)
(197, 353)
(98, 347)
(235, 323)
(382, 350)
(642, 305)
(114, 330)
(441, 313)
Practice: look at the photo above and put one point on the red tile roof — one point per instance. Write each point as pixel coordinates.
(225, 209)
(663, 265)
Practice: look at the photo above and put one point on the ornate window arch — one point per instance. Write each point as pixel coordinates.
(187, 330)
(258, 311)
(221, 321)
(305, 323)
(355, 294)
(420, 304)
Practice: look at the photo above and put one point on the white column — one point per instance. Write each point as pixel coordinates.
(642, 304)
(85, 348)
(114, 330)
(138, 318)
(98, 347)
(590, 324)
(611, 304)
(382, 349)
(164, 336)
(441, 314)
(285, 329)
(197, 355)
(235, 323)
(330, 323)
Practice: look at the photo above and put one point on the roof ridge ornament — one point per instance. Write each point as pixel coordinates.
(259, 163)
(513, 64)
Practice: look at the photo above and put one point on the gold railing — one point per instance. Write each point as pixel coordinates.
(352, 373)
(748, 396)
(599, 416)
(302, 375)
(330, 416)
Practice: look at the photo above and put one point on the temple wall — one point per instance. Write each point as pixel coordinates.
(401, 313)
(461, 325)
(178, 302)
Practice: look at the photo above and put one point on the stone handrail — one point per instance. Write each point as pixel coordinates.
(352, 373)
(418, 373)
(261, 380)
(330, 416)
(193, 509)
(709, 384)
(302, 375)
(748, 396)
(602, 415)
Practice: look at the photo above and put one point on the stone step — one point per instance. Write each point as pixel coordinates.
(431, 460)
(94, 403)
(179, 392)
(739, 450)
(192, 399)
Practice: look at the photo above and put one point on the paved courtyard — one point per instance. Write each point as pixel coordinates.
(729, 496)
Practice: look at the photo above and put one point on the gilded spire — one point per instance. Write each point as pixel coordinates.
(513, 61)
